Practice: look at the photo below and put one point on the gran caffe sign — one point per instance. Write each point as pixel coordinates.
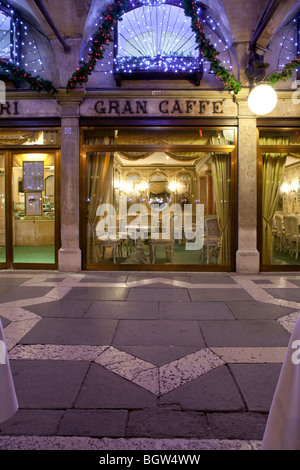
(122, 107)
(163, 107)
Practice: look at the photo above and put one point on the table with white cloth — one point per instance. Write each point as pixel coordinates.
(282, 431)
(8, 398)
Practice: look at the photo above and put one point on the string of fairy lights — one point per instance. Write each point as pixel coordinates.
(153, 35)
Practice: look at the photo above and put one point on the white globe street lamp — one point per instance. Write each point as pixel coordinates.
(262, 99)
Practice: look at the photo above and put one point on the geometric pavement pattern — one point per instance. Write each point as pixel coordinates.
(158, 380)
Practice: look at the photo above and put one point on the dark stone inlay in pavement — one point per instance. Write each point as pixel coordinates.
(47, 384)
(214, 391)
(32, 423)
(158, 333)
(61, 308)
(244, 333)
(97, 423)
(121, 310)
(21, 292)
(167, 424)
(158, 295)
(219, 295)
(104, 389)
(241, 426)
(194, 311)
(97, 293)
(258, 310)
(71, 331)
(285, 293)
(257, 383)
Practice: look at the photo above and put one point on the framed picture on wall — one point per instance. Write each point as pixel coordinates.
(33, 176)
(33, 203)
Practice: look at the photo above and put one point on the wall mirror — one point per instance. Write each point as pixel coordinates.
(158, 191)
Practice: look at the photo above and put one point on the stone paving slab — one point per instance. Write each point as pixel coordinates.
(205, 393)
(48, 384)
(100, 423)
(162, 424)
(61, 308)
(71, 331)
(33, 422)
(256, 310)
(158, 333)
(158, 295)
(103, 389)
(245, 333)
(97, 293)
(121, 310)
(194, 311)
(257, 383)
(219, 295)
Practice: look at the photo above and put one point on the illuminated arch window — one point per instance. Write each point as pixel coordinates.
(156, 41)
(290, 42)
(17, 42)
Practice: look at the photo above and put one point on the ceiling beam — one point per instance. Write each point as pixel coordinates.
(49, 20)
(264, 20)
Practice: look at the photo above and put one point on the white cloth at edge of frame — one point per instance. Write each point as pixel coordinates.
(8, 399)
(282, 431)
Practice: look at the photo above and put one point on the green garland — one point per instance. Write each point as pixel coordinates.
(286, 72)
(208, 51)
(36, 83)
(104, 35)
(100, 39)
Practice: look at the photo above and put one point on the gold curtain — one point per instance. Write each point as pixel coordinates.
(99, 169)
(221, 172)
(273, 165)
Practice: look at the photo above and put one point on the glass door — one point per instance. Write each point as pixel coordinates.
(33, 209)
(2, 210)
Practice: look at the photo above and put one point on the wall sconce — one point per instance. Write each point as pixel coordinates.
(286, 188)
(262, 99)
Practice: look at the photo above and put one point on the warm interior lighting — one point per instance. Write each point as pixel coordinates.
(262, 99)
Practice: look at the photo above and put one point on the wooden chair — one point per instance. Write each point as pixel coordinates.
(287, 234)
(212, 236)
(279, 232)
(295, 237)
(167, 243)
(108, 240)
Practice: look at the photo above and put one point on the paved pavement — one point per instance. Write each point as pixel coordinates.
(153, 361)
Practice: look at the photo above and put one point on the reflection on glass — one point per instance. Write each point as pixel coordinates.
(34, 211)
(134, 198)
(281, 208)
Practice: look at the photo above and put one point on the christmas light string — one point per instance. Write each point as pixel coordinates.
(103, 37)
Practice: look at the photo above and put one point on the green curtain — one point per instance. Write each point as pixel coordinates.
(273, 165)
(221, 172)
(99, 171)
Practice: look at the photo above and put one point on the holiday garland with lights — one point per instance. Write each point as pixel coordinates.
(104, 35)
(286, 72)
(35, 82)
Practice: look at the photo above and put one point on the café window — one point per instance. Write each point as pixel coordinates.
(158, 196)
(279, 153)
(156, 41)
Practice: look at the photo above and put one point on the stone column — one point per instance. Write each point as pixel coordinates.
(69, 255)
(247, 256)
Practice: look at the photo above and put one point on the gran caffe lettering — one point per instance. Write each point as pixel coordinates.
(172, 107)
